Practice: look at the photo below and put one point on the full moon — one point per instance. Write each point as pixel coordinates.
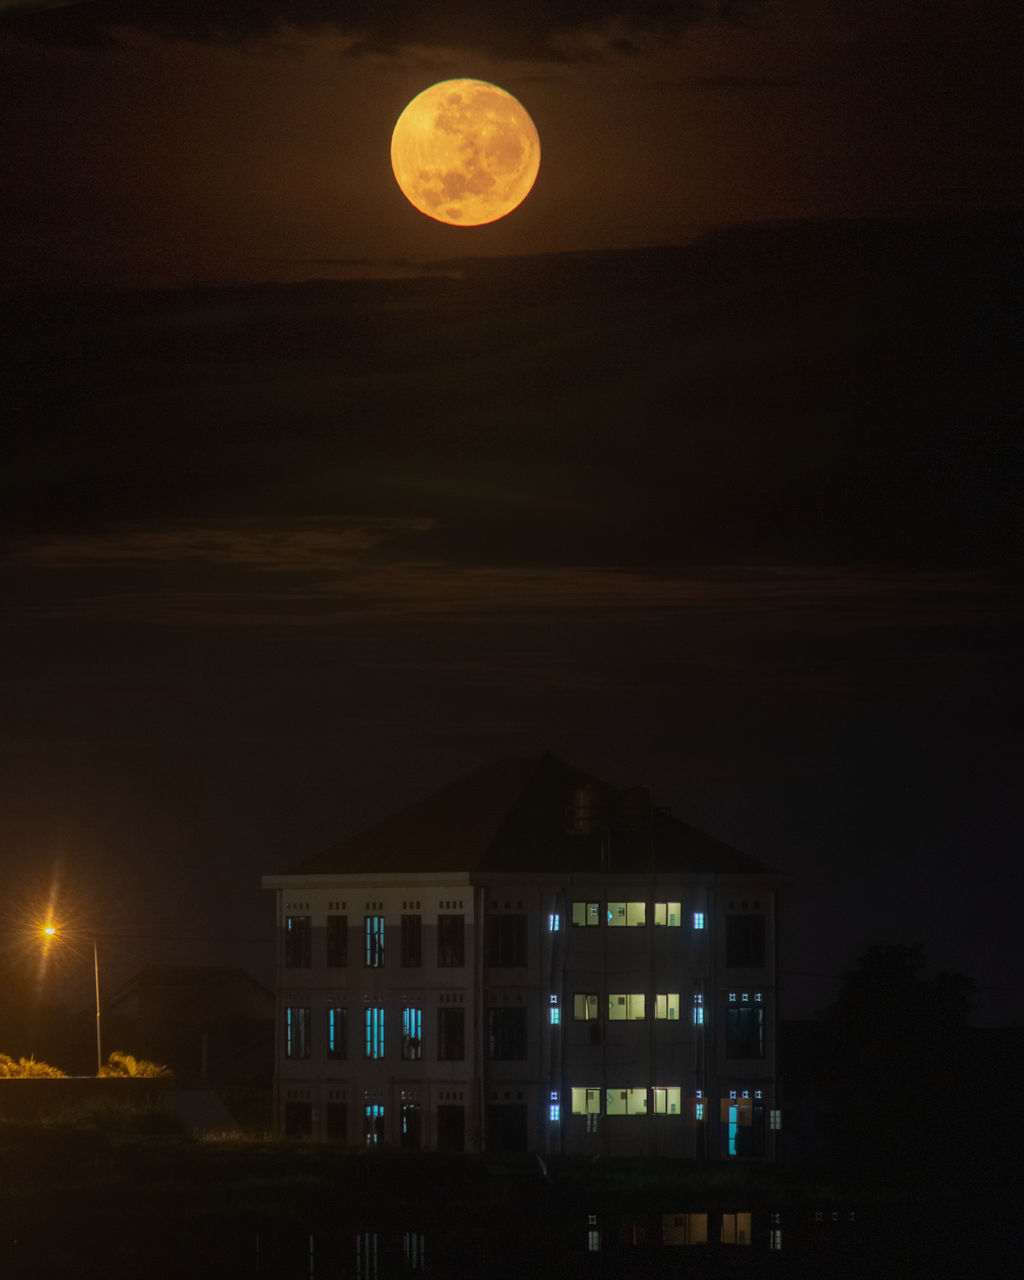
(465, 152)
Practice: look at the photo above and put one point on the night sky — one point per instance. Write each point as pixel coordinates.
(700, 470)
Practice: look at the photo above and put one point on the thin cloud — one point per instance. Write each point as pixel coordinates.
(252, 545)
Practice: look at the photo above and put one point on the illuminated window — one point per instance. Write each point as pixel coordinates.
(554, 1112)
(698, 1010)
(337, 942)
(626, 914)
(626, 1102)
(667, 1006)
(684, 1228)
(668, 913)
(373, 1021)
(554, 921)
(413, 1253)
(698, 1110)
(593, 1240)
(630, 1007)
(373, 934)
(584, 1006)
(337, 1032)
(742, 1121)
(735, 1228)
(585, 914)
(586, 1102)
(698, 919)
(554, 1012)
(297, 1031)
(412, 1034)
(298, 936)
(775, 1120)
(373, 1123)
(410, 1122)
(668, 1101)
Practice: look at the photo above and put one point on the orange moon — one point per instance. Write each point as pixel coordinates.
(465, 152)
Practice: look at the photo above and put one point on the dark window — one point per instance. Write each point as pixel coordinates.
(373, 935)
(506, 941)
(297, 1028)
(298, 933)
(412, 942)
(506, 1034)
(451, 942)
(744, 1031)
(451, 1128)
(337, 942)
(298, 1119)
(337, 1121)
(451, 1035)
(744, 942)
(337, 1032)
(412, 1126)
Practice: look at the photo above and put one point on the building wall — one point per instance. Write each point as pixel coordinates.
(529, 1042)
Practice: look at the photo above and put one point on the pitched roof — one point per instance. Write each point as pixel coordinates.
(513, 816)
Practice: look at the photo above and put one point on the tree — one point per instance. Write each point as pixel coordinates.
(893, 1063)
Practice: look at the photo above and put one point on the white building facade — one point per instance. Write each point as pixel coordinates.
(574, 982)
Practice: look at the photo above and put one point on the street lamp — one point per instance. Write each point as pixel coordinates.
(51, 932)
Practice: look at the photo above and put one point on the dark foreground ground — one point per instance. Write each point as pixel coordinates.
(89, 1200)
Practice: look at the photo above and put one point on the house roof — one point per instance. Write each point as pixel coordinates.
(514, 816)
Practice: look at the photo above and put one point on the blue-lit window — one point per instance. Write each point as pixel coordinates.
(554, 1012)
(373, 1123)
(554, 921)
(698, 1010)
(698, 919)
(412, 1034)
(337, 1032)
(373, 934)
(554, 1112)
(374, 1022)
(297, 1029)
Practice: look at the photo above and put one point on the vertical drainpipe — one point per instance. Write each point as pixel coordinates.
(479, 992)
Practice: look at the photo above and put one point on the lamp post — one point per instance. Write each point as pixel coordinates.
(51, 932)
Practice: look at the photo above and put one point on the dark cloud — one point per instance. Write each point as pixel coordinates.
(566, 28)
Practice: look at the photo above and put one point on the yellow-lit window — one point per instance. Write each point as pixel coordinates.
(668, 913)
(586, 1102)
(584, 1006)
(585, 914)
(684, 1228)
(735, 1228)
(627, 1007)
(627, 1102)
(668, 1101)
(667, 1006)
(626, 913)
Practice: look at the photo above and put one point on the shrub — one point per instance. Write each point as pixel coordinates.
(126, 1064)
(27, 1069)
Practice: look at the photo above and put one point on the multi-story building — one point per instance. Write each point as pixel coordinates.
(530, 959)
